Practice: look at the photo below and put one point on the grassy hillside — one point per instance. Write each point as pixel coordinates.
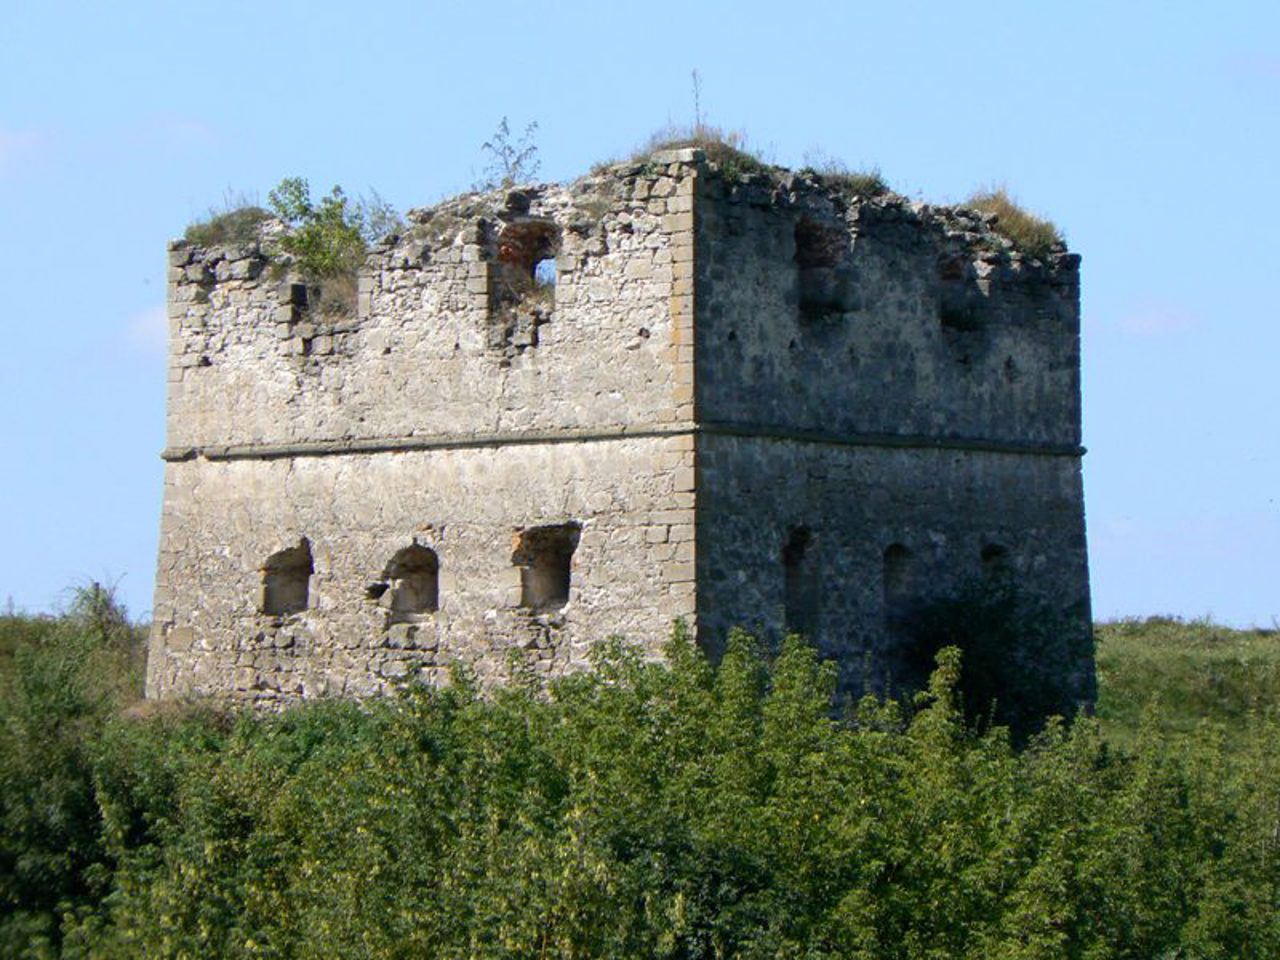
(1183, 676)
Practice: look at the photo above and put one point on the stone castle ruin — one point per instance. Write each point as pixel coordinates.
(558, 414)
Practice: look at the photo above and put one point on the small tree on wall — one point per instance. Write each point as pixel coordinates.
(510, 161)
(328, 238)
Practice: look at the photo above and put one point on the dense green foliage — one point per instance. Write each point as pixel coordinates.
(677, 810)
(60, 679)
(328, 239)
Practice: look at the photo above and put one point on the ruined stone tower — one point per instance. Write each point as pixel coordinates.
(556, 414)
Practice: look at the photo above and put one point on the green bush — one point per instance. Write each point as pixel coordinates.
(328, 239)
(640, 809)
(63, 679)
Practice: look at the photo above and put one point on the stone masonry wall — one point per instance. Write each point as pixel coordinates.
(442, 342)
(951, 516)
(818, 311)
(747, 400)
(888, 400)
(223, 519)
(463, 406)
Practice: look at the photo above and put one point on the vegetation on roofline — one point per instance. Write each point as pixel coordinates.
(326, 239)
(666, 810)
(511, 160)
(727, 149)
(329, 238)
(1030, 234)
(836, 173)
(235, 222)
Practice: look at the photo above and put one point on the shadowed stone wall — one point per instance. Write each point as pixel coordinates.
(886, 393)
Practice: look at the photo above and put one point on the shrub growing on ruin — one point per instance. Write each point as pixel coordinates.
(325, 237)
(329, 238)
(511, 160)
(1030, 234)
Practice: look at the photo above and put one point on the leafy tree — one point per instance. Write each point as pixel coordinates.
(330, 237)
(66, 677)
(678, 809)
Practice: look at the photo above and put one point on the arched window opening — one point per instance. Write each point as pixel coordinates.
(800, 582)
(995, 560)
(898, 582)
(545, 558)
(522, 289)
(526, 264)
(286, 580)
(413, 583)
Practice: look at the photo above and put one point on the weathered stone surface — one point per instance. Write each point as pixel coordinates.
(751, 401)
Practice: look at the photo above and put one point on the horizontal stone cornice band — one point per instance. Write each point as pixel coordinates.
(364, 445)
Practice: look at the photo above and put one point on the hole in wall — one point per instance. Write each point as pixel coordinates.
(962, 305)
(898, 576)
(545, 558)
(522, 288)
(544, 272)
(286, 580)
(800, 582)
(822, 251)
(526, 257)
(413, 576)
(995, 560)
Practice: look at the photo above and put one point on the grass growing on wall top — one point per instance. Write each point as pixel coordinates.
(727, 149)
(1032, 235)
(233, 223)
(834, 172)
(327, 238)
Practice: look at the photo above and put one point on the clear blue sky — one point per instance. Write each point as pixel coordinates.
(1149, 131)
